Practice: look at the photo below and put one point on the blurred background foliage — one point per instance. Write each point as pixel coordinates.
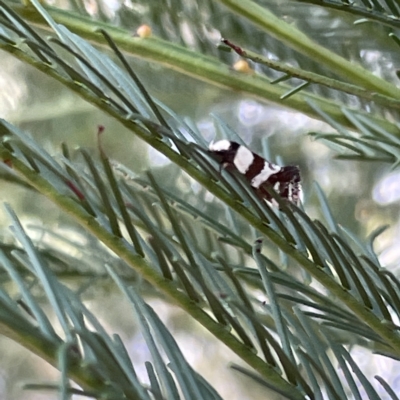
(363, 196)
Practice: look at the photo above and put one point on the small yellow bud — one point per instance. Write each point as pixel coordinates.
(144, 31)
(242, 66)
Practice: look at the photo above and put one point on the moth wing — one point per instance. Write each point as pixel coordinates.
(286, 182)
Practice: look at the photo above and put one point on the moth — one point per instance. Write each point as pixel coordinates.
(259, 172)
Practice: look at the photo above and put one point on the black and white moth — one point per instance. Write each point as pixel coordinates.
(258, 171)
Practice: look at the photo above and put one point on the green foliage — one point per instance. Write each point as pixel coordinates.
(322, 289)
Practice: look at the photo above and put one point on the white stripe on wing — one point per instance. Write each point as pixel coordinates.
(243, 159)
(266, 172)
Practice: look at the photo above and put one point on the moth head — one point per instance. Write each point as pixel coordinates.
(225, 150)
(220, 146)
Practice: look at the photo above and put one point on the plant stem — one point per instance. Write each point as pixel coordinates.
(299, 41)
